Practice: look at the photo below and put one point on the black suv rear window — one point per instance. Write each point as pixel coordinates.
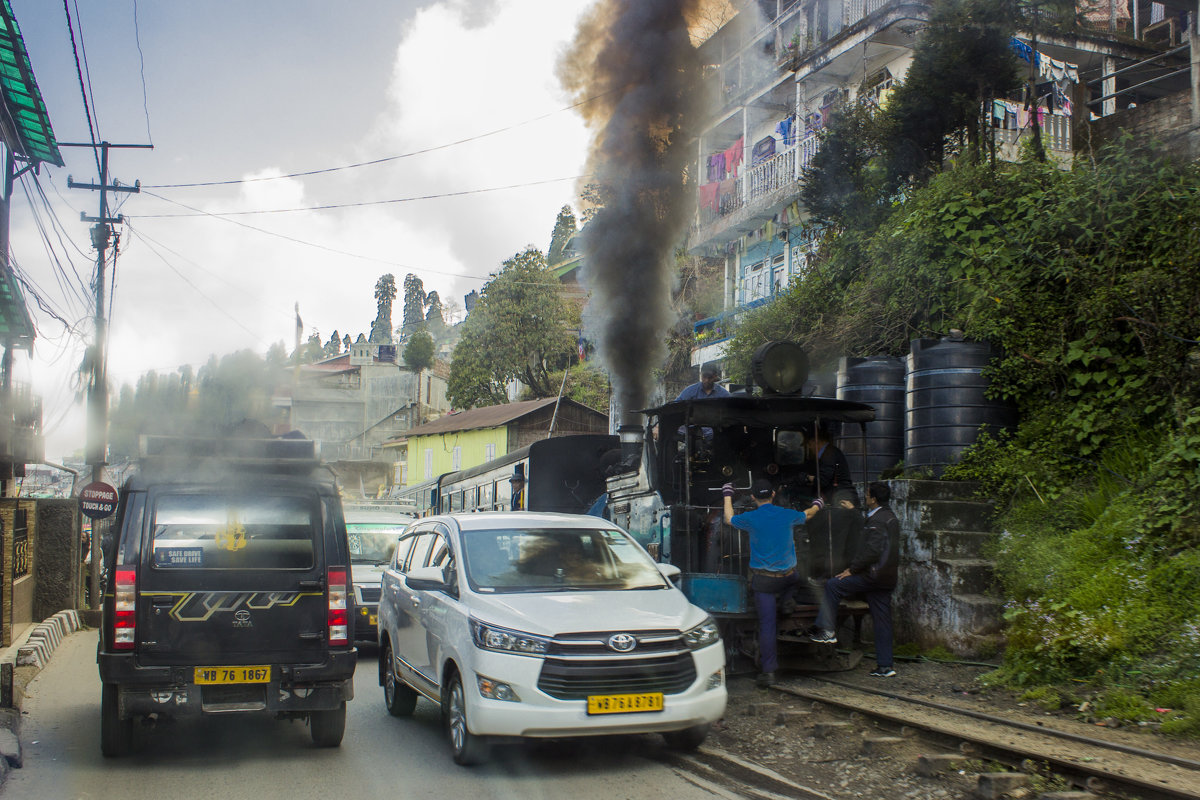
(199, 531)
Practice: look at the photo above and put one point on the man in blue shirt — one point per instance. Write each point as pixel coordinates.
(772, 562)
(707, 387)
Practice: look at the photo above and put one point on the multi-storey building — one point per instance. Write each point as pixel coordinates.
(356, 402)
(779, 70)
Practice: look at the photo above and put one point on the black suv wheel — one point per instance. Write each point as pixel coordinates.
(116, 734)
(328, 727)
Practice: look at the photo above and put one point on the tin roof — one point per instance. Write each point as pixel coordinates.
(488, 416)
(24, 124)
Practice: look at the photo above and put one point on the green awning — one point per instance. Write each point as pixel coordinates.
(24, 122)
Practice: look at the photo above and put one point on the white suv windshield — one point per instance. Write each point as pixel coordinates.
(557, 559)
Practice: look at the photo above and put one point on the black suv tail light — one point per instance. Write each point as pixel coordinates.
(339, 611)
(124, 618)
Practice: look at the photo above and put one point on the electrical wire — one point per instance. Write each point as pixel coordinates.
(87, 70)
(306, 243)
(137, 37)
(360, 204)
(76, 288)
(87, 111)
(196, 288)
(384, 160)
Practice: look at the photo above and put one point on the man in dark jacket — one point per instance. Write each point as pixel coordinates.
(872, 572)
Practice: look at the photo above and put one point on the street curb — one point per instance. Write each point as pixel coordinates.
(46, 637)
(30, 653)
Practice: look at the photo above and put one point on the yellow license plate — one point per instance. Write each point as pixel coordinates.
(209, 675)
(624, 703)
(373, 619)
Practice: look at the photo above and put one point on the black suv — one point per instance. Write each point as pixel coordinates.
(229, 589)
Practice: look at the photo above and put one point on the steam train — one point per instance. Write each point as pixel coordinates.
(661, 478)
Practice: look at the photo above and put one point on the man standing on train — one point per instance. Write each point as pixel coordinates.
(707, 388)
(772, 562)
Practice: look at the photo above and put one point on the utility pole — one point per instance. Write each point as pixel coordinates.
(97, 433)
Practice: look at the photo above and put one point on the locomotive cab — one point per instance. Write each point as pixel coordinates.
(673, 503)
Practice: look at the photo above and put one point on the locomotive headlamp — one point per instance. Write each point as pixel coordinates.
(780, 367)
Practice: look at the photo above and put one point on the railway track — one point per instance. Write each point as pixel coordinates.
(838, 732)
(1088, 763)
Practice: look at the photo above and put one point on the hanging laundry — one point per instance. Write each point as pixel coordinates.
(1022, 49)
(727, 195)
(734, 155)
(710, 196)
(763, 149)
(716, 167)
(786, 131)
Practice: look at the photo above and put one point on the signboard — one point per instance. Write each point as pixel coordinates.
(98, 500)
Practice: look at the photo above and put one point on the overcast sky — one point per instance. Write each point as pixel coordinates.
(235, 91)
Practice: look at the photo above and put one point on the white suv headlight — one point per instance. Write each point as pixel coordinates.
(702, 635)
(489, 637)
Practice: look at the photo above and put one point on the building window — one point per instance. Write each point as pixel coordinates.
(489, 452)
(428, 463)
(756, 284)
(456, 458)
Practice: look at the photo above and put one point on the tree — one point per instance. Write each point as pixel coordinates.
(516, 332)
(334, 346)
(869, 157)
(418, 352)
(963, 61)
(414, 305)
(311, 351)
(564, 229)
(435, 319)
(385, 293)
(419, 356)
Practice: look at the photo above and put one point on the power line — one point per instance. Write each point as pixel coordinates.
(87, 111)
(306, 243)
(385, 159)
(196, 288)
(87, 70)
(361, 204)
(137, 37)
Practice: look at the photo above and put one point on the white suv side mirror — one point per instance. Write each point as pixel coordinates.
(429, 579)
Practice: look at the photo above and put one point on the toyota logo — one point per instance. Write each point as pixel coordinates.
(622, 642)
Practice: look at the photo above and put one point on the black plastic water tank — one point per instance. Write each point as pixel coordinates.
(879, 382)
(945, 403)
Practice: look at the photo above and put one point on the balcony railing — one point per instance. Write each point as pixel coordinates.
(1056, 133)
(779, 172)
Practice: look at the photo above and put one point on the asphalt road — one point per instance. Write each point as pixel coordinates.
(256, 757)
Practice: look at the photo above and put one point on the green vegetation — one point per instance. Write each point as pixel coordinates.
(517, 331)
(1088, 281)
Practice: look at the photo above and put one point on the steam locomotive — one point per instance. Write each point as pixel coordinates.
(672, 502)
(661, 480)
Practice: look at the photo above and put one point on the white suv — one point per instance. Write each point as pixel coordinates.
(544, 625)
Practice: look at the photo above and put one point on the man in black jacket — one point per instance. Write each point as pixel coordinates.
(872, 572)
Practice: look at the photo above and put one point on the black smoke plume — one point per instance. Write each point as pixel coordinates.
(635, 57)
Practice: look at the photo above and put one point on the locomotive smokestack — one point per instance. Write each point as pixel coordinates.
(632, 438)
(634, 61)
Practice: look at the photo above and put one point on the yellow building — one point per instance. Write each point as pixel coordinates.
(470, 438)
